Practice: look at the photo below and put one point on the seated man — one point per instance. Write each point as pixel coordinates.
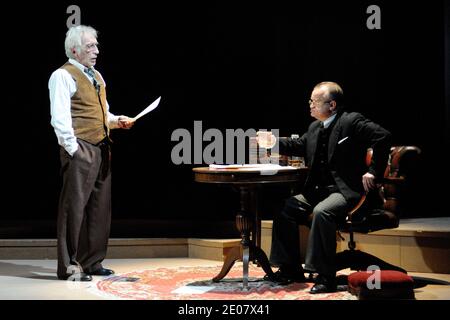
(334, 148)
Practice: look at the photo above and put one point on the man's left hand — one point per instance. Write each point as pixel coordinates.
(368, 181)
(125, 122)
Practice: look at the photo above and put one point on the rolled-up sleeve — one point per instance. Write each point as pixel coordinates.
(61, 88)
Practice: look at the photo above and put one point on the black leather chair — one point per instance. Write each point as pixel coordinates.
(381, 208)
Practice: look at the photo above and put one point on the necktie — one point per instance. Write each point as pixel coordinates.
(90, 72)
(322, 128)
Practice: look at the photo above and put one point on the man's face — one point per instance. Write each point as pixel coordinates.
(87, 55)
(320, 105)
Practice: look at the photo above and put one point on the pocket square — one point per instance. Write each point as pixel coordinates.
(342, 140)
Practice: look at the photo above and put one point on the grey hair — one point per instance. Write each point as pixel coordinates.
(73, 38)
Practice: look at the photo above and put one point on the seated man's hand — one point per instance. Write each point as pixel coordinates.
(368, 181)
(125, 122)
(265, 139)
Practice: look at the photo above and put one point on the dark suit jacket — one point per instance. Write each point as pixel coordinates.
(351, 136)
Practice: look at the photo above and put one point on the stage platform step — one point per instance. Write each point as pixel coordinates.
(211, 249)
(417, 245)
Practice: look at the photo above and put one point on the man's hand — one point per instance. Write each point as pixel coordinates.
(368, 181)
(125, 122)
(265, 139)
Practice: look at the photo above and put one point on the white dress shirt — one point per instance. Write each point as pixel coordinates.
(327, 122)
(62, 87)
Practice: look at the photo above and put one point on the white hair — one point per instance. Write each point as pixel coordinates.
(73, 38)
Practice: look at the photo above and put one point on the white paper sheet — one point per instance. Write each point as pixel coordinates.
(151, 107)
(192, 289)
(252, 167)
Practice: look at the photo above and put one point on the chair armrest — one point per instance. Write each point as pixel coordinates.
(356, 208)
(392, 187)
(393, 180)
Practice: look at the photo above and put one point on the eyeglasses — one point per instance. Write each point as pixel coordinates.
(92, 46)
(315, 102)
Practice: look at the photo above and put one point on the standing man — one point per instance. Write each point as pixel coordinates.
(335, 148)
(81, 119)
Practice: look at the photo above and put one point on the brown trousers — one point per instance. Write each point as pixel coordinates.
(84, 213)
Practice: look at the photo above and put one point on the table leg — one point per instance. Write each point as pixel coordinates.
(245, 260)
(257, 255)
(233, 255)
(260, 256)
(244, 224)
(247, 220)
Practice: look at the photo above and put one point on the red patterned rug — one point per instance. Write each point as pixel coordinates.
(194, 283)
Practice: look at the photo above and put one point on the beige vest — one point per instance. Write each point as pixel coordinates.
(89, 114)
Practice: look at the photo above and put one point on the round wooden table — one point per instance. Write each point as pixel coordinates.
(247, 181)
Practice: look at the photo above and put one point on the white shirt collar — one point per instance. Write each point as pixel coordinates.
(327, 122)
(78, 65)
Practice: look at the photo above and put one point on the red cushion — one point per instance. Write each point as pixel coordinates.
(393, 284)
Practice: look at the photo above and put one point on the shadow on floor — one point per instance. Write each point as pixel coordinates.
(420, 282)
(9, 269)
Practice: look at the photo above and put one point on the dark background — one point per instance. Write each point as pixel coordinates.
(229, 66)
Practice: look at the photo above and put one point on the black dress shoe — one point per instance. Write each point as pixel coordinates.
(76, 277)
(101, 272)
(284, 277)
(322, 288)
(324, 284)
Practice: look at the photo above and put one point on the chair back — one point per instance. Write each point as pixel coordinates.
(381, 208)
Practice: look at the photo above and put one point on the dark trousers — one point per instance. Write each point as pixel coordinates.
(84, 213)
(326, 210)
